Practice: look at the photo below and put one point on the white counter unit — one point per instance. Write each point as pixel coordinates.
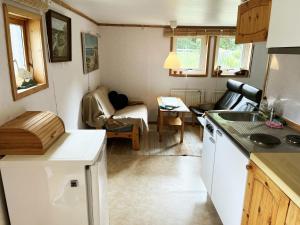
(66, 185)
(225, 175)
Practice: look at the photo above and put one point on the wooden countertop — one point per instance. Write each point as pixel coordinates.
(283, 169)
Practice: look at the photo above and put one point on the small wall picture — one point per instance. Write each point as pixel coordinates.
(89, 52)
(59, 36)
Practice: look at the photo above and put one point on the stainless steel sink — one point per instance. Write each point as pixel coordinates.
(241, 116)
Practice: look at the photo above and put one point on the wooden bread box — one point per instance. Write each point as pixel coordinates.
(31, 133)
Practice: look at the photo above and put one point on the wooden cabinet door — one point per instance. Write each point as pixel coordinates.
(253, 21)
(293, 217)
(265, 203)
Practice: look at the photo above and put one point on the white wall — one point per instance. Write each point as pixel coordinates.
(283, 85)
(131, 61)
(66, 80)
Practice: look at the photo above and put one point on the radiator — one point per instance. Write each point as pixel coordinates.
(216, 95)
(191, 97)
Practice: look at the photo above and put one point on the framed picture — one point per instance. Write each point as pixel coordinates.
(59, 36)
(89, 52)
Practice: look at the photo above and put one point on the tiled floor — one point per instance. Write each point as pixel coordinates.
(157, 190)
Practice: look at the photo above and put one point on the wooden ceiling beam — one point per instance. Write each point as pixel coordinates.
(76, 11)
(80, 13)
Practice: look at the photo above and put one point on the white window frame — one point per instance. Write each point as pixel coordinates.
(203, 55)
(246, 63)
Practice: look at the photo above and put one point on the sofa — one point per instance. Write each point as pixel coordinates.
(238, 97)
(97, 110)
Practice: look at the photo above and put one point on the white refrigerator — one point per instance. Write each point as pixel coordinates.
(65, 186)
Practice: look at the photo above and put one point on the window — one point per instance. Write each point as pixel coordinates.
(231, 59)
(25, 50)
(19, 49)
(192, 52)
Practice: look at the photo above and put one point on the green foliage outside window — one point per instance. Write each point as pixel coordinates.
(229, 54)
(189, 52)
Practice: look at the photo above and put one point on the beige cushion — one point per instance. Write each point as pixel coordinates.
(92, 113)
(101, 95)
(135, 112)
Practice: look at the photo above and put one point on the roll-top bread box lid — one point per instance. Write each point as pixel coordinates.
(31, 133)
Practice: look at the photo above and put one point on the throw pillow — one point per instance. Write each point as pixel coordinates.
(119, 101)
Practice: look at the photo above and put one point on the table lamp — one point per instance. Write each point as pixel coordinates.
(172, 61)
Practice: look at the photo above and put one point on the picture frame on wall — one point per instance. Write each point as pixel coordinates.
(59, 36)
(90, 55)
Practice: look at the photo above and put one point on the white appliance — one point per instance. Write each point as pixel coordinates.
(229, 180)
(224, 173)
(65, 186)
(208, 154)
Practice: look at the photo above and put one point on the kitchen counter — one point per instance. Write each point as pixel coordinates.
(281, 163)
(284, 171)
(240, 131)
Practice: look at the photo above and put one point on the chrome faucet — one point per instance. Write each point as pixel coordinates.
(271, 114)
(254, 106)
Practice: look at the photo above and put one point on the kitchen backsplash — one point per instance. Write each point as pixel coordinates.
(283, 85)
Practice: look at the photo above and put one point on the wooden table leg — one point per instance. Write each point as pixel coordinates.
(135, 137)
(161, 123)
(182, 127)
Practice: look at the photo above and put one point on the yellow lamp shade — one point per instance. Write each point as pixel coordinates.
(172, 62)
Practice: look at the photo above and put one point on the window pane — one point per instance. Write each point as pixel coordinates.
(18, 48)
(229, 54)
(189, 52)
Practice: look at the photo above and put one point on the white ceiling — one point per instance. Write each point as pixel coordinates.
(160, 12)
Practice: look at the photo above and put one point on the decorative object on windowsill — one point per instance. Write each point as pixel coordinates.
(27, 84)
(218, 71)
(24, 78)
(172, 61)
(89, 52)
(242, 72)
(59, 36)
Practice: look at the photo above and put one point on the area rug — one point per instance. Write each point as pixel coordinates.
(169, 146)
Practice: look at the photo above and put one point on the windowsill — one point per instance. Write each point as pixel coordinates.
(230, 75)
(246, 74)
(26, 92)
(188, 75)
(197, 73)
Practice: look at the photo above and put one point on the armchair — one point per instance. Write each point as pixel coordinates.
(229, 100)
